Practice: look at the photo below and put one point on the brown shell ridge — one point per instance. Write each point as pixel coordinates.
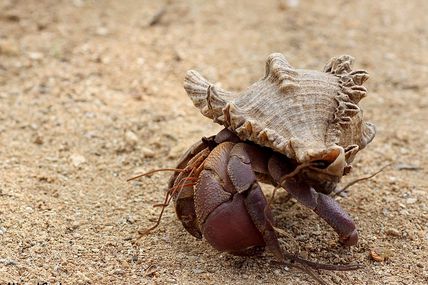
(280, 72)
(351, 91)
(208, 98)
(351, 82)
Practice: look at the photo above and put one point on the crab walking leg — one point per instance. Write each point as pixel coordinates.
(325, 207)
(183, 197)
(245, 160)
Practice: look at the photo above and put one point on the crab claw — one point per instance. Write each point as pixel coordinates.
(325, 207)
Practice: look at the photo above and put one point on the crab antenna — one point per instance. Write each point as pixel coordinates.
(163, 205)
(360, 179)
(154, 171)
(324, 266)
(148, 230)
(173, 189)
(307, 269)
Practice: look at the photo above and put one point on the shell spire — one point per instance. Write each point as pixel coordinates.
(208, 98)
(304, 114)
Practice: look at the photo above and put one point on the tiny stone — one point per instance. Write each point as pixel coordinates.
(38, 140)
(147, 152)
(118, 272)
(102, 31)
(77, 160)
(78, 3)
(7, 261)
(393, 232)
(2, 230)
(198, 271)
(301, 238)
(336, 279)
(75, 225)
(411, 200)
(376, 256)
(35, 55)
(130, 219)
(131, 138)
(293, 3)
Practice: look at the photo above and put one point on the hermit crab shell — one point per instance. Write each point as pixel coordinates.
(305, 114)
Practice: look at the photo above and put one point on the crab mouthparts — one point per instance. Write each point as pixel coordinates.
(329, 166)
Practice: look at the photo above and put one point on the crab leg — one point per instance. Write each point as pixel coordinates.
(325, 207)
(245, 160)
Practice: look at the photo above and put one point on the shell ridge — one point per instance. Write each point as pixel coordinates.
(208, 98)
(280, 73)
(347, 126)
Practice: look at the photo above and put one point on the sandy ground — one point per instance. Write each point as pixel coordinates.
(91, 93)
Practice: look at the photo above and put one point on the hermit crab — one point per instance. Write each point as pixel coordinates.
(296, 129)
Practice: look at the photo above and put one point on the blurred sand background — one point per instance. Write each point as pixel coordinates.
(91, 93)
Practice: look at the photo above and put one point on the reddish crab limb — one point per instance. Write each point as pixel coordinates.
(325, 207)
(245, 160)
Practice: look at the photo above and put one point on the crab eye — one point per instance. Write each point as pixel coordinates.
(321, 164)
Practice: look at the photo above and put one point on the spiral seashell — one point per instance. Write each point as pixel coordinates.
(305, 114)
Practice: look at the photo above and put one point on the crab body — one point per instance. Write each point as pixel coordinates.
(226, 205)
(293, 121)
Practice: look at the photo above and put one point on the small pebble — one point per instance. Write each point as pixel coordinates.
(147, 152)
(198, 270)
(292, 3)
(380, 255)
(38, 140)
(411, 200)
(7, 261)
(77, 160)
(130, 219)
(78, 3)
(131, 139)
(118, 272)
(336, 279)
(102, 31)
(376, 256)
(393, 232)
(35, 55)
(2, 230)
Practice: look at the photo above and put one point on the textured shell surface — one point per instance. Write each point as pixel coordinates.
(304, 114)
